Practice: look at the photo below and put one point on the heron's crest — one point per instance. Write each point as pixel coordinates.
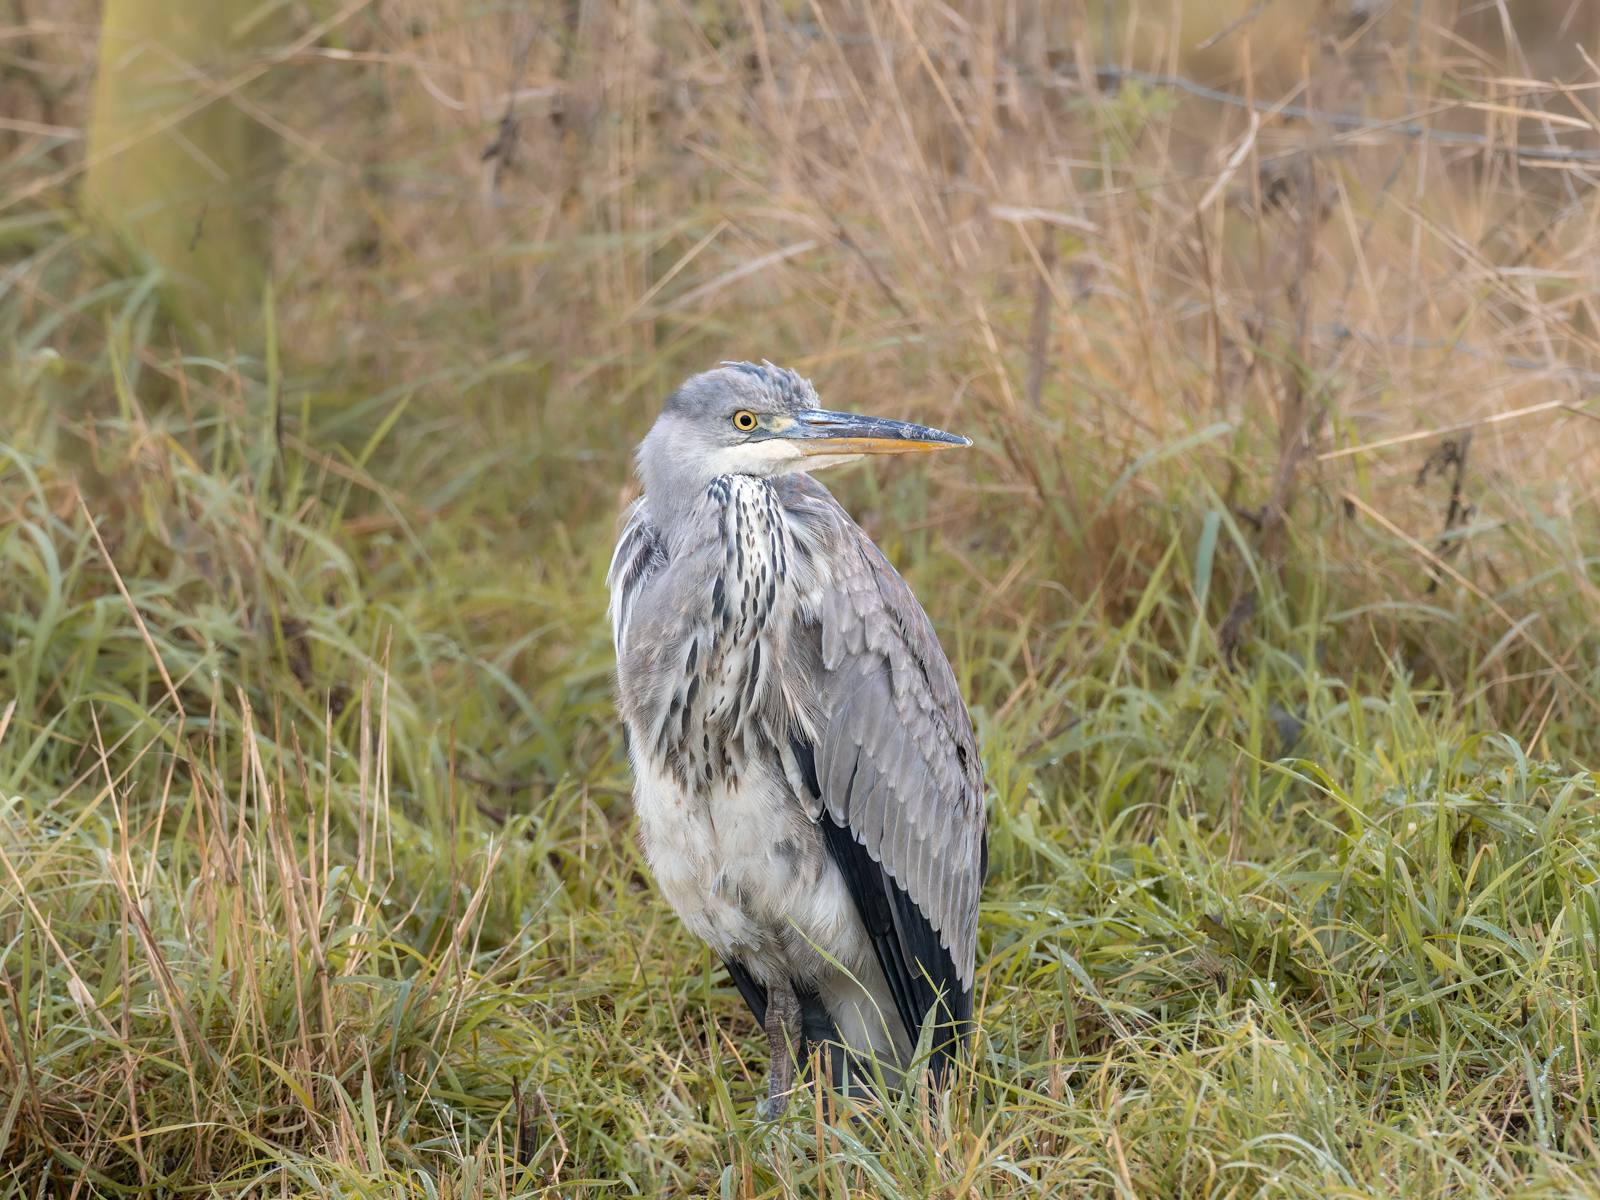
(735, 385)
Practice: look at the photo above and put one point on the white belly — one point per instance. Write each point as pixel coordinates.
(754, 880)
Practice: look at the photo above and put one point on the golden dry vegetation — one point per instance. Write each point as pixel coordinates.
(1272, 585)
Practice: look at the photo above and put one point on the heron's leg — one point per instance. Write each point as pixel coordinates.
(784, 1037)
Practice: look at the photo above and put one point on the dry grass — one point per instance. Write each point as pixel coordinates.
(317, 867)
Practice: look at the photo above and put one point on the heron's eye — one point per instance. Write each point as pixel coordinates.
(745, 420)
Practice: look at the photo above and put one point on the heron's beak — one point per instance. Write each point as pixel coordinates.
(817, 431)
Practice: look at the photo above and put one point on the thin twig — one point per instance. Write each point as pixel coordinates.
(1068, 74)
(1458, 427)
(149, 642)
(1518, 627)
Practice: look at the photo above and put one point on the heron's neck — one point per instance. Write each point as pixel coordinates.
(674, 485)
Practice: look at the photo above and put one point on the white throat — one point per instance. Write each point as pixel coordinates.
(779, 456)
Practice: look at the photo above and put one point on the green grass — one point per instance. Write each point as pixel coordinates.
(317, 866)
(1251, 933)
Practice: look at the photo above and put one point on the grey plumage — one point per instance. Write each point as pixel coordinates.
(806, 778)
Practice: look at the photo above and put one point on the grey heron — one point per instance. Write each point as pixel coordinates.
(806, 780)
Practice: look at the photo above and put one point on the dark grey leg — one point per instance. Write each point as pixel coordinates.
(785, 1039)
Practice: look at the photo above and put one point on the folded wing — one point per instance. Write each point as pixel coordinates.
(901, 789)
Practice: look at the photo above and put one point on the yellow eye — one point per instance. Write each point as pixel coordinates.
(744, 420)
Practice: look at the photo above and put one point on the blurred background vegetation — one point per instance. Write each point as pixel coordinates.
(327, 331)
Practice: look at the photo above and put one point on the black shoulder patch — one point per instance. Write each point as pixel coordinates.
(755, 996)
(806, 755)
(919, 970)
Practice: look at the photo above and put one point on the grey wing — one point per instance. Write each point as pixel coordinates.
(640, 553)
(899, 776)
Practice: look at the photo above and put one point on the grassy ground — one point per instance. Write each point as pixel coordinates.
(317, 872)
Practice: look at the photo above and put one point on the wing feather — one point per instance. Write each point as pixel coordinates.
(640, 553)
(902, 786)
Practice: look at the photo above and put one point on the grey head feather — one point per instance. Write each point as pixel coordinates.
(679, 456)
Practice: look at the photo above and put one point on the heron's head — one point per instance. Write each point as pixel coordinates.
(742, 419)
